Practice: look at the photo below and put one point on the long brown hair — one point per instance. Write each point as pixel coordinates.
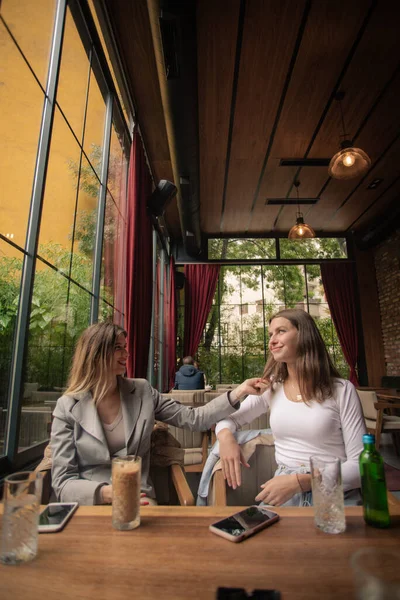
(91, 368)
(314, 368)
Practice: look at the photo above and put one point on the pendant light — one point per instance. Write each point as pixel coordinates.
(349, 162)
(301, 230)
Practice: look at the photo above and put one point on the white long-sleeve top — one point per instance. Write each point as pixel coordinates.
(333, 428)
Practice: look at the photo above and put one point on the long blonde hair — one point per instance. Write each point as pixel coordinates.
(91, 368)
(314, 369)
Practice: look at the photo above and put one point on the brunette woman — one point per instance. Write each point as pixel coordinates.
(312, 411)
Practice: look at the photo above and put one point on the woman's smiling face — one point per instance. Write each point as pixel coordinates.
(283, 340)
(120, 355)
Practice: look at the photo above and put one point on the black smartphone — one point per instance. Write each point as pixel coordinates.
(55, 516)
(244, 523)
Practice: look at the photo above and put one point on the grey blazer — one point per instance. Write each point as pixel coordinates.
(81, 458)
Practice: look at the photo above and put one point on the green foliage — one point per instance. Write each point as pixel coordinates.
(60, 309)
(235, 347)
(10, 278)
(59, 312)
(89, 182)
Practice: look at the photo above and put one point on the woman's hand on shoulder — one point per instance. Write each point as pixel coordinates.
(279, 490)
(255, 386)
(231, 458)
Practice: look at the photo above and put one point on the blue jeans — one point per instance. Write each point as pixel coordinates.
(351, 497)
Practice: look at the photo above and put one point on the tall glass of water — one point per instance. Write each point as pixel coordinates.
(327, 493)
(22, 495)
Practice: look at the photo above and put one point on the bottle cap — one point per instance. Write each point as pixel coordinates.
(368, 438)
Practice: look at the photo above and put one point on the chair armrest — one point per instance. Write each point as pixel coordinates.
(393, 501)
(389, 397)
(46, 486)
(219, 489)
(182, 488)
(382, 405)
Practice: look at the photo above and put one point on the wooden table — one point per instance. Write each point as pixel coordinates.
(174, 556)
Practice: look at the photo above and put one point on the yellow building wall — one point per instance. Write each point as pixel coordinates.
(21, 107)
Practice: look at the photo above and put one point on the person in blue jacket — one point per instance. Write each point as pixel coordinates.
(188, 377)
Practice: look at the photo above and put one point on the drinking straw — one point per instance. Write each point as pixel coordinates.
(140, 438)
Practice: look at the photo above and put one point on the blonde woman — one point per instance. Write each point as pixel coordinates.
(101, 415)
(312, 411)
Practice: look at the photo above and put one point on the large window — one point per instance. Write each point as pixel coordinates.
(234, 345)
(64, 270)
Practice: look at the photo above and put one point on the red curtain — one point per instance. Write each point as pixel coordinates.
(139, 274)
(338, 281)
(171, 324)
(200, 284)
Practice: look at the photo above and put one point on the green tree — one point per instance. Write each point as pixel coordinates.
(243, 349)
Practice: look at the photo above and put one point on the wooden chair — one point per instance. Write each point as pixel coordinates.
(187, 397)
(376, 420)
(195, 444)
(226, 386)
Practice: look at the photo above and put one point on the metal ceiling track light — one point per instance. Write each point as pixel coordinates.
(301, 230)
(349, 162)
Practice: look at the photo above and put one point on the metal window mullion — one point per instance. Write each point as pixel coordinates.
(241, 322)
(168, 304)
(306, 282)
(32, 237)
(161, 324)
(263, 313)
(219, 324)
(98, 247)
(150, 365)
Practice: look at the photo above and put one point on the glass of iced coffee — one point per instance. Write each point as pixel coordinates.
(126, 476)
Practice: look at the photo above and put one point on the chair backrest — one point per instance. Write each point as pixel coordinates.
(39, 398)
(226, 386)
(208, 396)
(368, 399)
(191, 398)
(198, 395)
(261, 422)
(186, 438)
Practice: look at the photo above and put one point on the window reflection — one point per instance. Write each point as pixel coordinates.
(61, 187)
(94, 124)
(83, 231)
(106, 312)
(73, 79)
(60, 312)
(314, 248)
(115, 227)
(10, 280)
(35, 39)
(21, 106)
(110, 240)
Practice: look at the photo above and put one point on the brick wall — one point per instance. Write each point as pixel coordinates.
(387, 267)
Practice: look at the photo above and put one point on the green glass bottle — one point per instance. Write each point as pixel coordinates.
(373, 484)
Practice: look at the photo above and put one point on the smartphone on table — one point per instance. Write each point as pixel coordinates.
(244, 523)
(55, 516)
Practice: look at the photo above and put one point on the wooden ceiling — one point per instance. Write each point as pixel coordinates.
(268, 73)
